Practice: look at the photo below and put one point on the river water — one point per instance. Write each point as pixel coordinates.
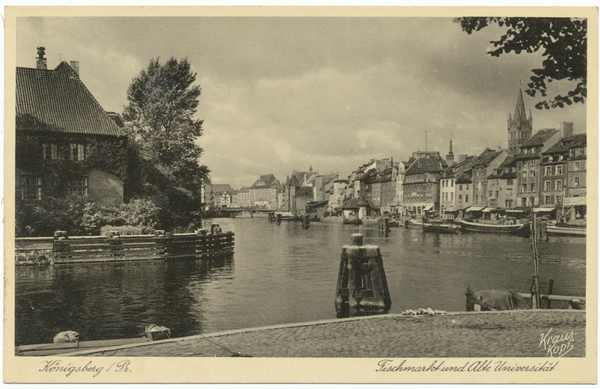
(280, 274)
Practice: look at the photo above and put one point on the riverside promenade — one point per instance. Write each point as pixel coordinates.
(530, 333)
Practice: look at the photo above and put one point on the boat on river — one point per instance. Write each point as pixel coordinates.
(394, 223)
(444, 228)
(415, 223)
(516, 229)
(565, 230)
(285, 216)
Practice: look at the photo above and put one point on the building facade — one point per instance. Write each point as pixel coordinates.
(421, 183)
(263, 193)
(528, 166)
(66, 144)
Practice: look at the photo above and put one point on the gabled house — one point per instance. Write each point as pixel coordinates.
(528, 164)
(422, 183)
(227, 198)
(449, 193)
(66, 144)
(302, 198)
(502, 184)
(482, 168)
(338, 192)
(563, 170)
(264, 191)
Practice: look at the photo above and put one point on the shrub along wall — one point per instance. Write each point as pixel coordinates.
(78, 216)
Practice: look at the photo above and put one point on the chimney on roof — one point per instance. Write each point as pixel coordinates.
(566, 129)
(40, 60)
(450, 156)
(75, 66)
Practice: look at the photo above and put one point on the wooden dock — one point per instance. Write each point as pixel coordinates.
(116, 248)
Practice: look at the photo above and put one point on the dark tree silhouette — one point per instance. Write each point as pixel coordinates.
(564, 45)
(159, 121)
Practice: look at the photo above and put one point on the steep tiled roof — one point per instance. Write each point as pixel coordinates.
(505, 170)
(57, 100)
(486, 158)
(305, 191)
(266, 181)
(539, 138)
(563, 145)
(426, 165)
(222, 188)
(465, 177)
(294, 181)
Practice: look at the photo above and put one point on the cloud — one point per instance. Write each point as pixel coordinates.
(282, 93)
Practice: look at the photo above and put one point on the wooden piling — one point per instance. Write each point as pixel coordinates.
(362, 285)
(550, 287)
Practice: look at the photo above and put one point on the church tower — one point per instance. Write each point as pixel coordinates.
(519, 126)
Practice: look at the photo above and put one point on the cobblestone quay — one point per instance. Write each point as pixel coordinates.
(542, 333)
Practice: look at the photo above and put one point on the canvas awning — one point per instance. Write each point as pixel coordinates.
(487, 209)
(519, 210)
(474, 209)
(429, 207)
(574, 201)
(548, 209)
(451, 209)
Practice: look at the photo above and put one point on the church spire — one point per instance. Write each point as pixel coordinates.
(520, 113)
(450, 152)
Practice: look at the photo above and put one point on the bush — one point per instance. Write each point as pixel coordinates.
(78, 216)
(42, 219)
(127, 230)
(137, 213)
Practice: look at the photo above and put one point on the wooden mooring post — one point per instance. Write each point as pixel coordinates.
(362, 287)
(305, 219)
(383, 223)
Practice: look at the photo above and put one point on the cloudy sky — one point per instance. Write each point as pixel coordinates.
(280, 94)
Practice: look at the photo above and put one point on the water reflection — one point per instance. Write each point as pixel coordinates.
(112, 301)
(281, 274)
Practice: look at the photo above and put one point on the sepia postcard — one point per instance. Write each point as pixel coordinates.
(300, 195)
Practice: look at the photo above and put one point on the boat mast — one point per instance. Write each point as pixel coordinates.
(535, 287)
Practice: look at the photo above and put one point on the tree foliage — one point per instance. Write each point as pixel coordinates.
(160, 122)
(564, 45)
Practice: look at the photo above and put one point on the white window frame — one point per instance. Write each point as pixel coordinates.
(79, 185)
(28, 187)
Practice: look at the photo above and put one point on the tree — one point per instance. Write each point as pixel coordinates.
(159, 120)
(564, 41)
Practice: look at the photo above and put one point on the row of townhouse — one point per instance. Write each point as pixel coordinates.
(549, 168)
(216, 195)
(549, 171)
(372, 189)
(300, 190)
